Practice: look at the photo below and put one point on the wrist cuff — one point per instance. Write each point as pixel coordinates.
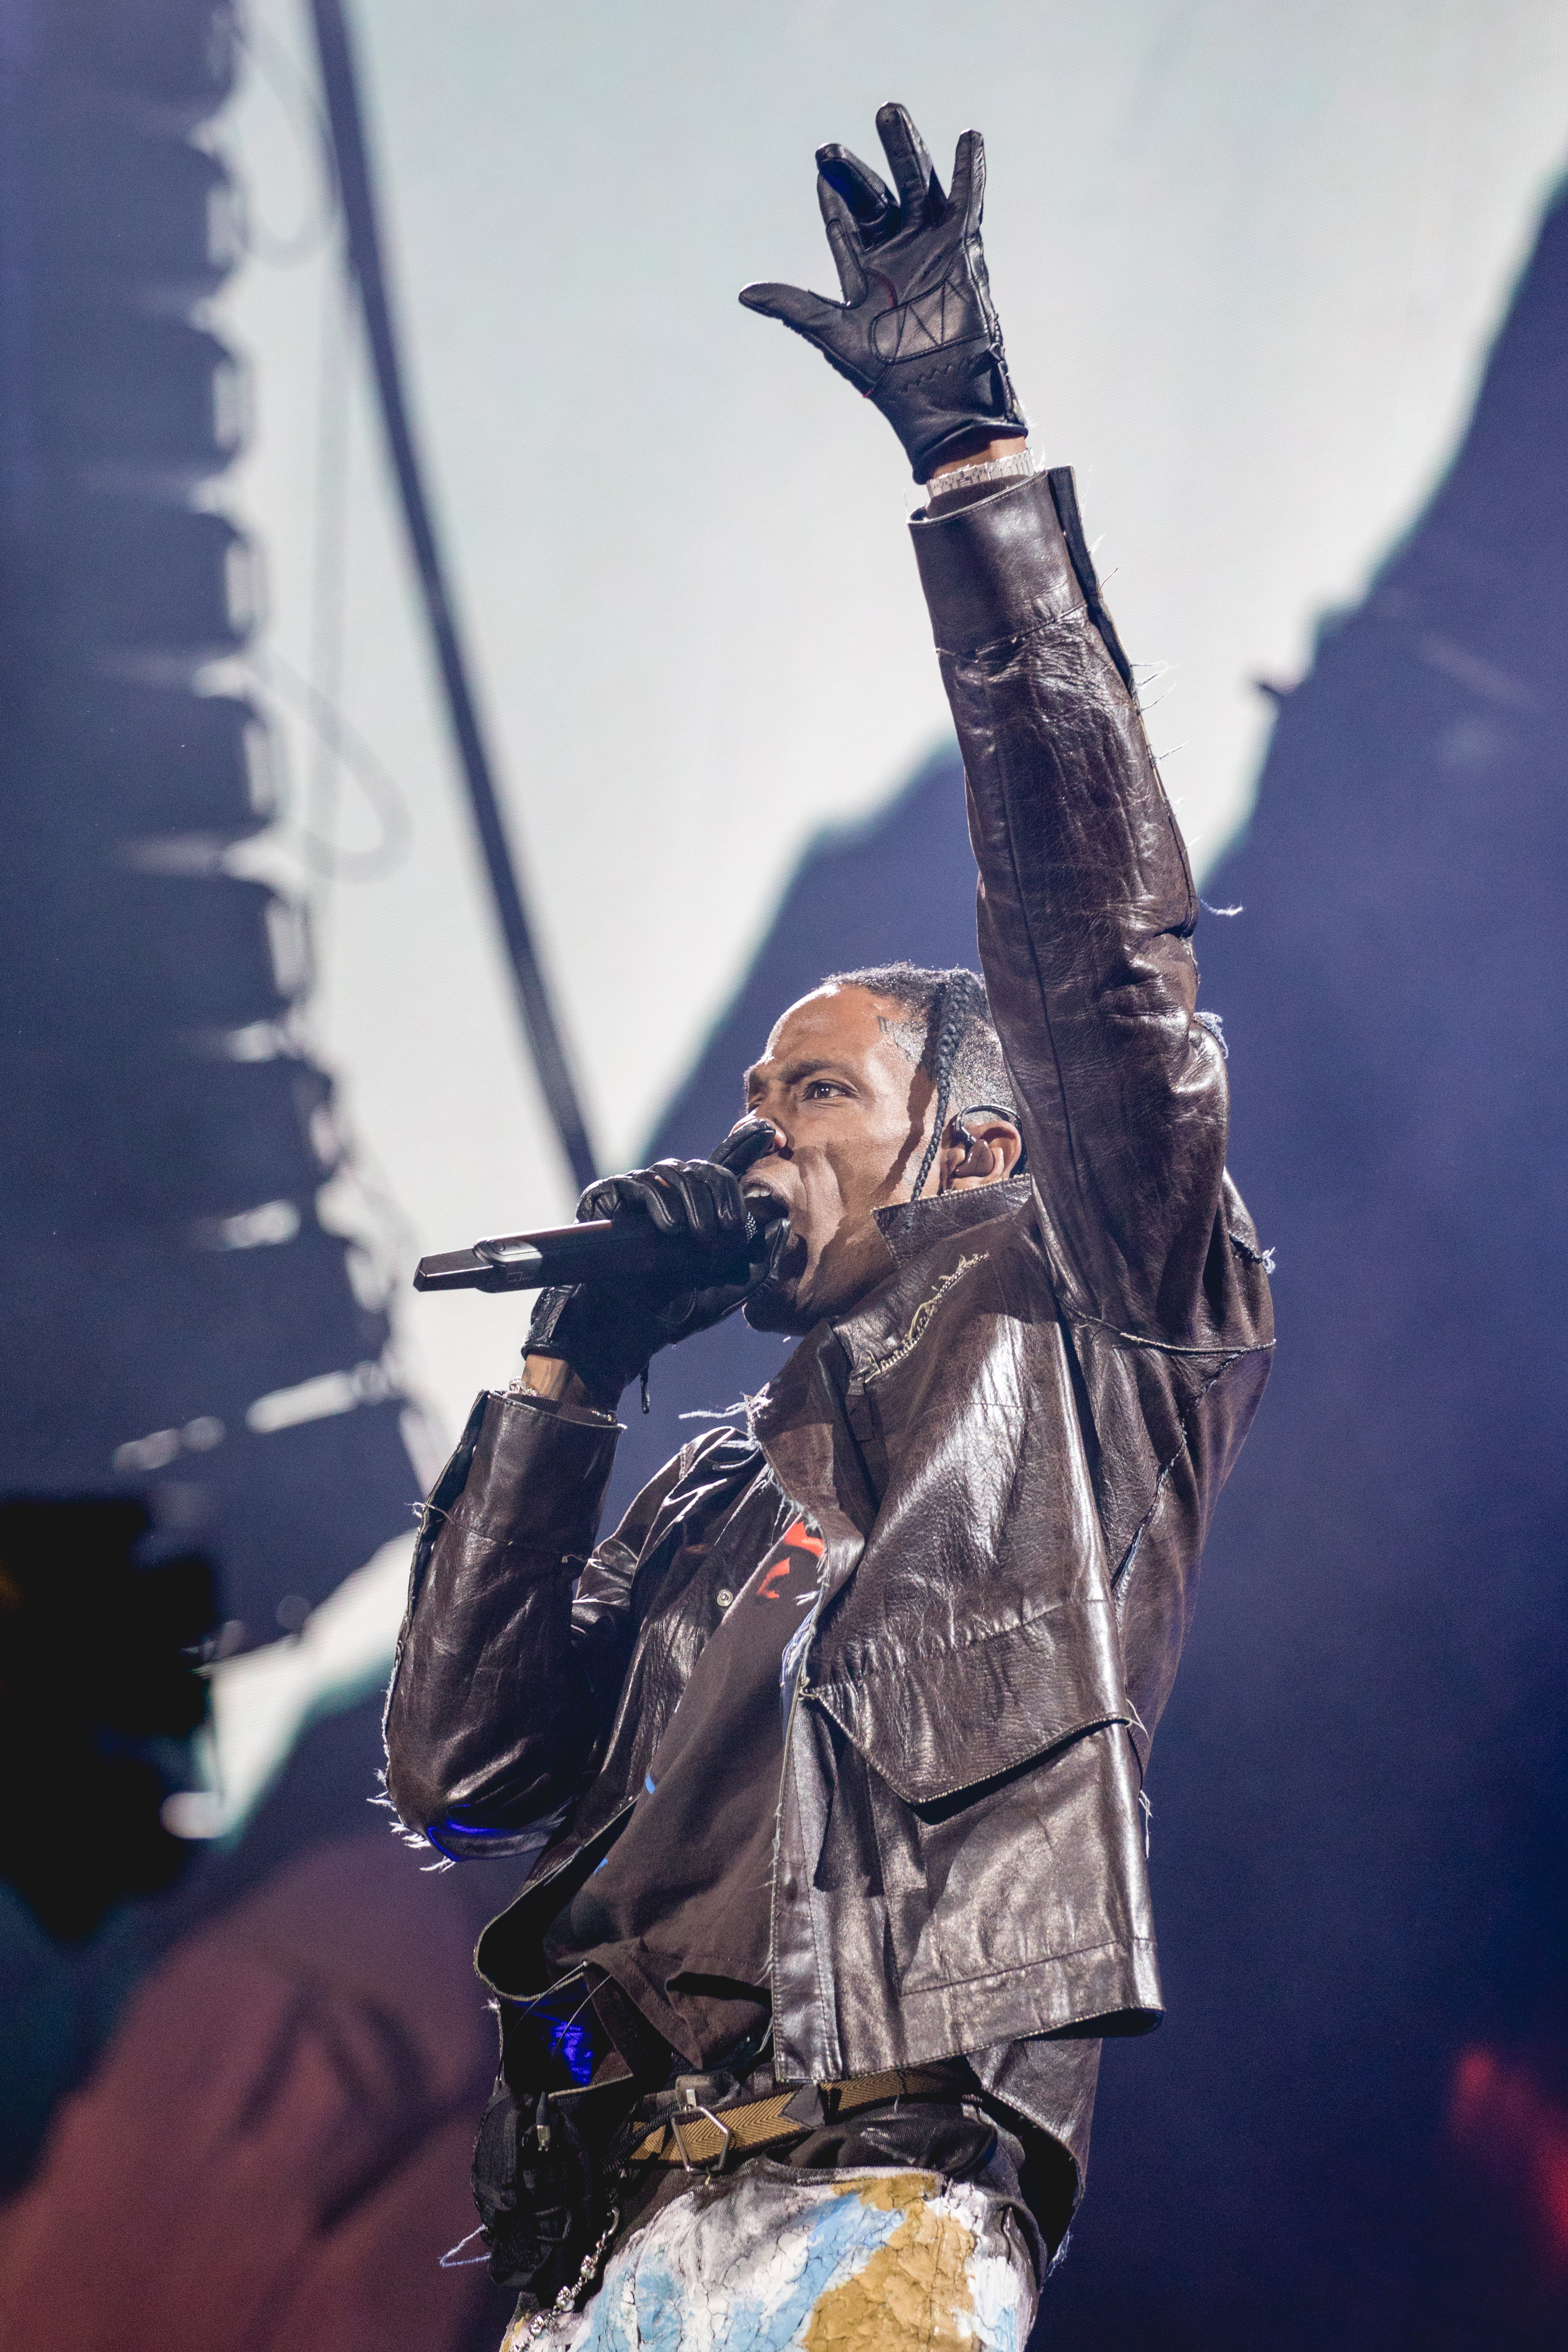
(997, 569)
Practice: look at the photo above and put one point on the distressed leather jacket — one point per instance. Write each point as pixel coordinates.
(1011, 1448)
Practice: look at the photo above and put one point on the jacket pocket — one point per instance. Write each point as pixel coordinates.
(1041, 1872)
(936, 1724)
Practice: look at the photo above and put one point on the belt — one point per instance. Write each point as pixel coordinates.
(697, 2125)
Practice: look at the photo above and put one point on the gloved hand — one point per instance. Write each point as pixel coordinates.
(917, 332)
(608, 1333)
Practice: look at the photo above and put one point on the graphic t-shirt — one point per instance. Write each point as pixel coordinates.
(680, 1911)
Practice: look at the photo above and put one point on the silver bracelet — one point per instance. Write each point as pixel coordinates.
(984, 469)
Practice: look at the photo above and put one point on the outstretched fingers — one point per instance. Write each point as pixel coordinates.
(844, 241)
(867, 195)
(968, 197)
(921, 199)
(809, 314)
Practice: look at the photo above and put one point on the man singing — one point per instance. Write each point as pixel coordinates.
(829, 1761)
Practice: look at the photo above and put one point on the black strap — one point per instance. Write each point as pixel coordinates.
(540, 1026)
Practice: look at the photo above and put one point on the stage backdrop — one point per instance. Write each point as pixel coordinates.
(1248, 261)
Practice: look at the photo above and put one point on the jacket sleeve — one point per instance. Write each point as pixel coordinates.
(506, 1678)
(1086, 915)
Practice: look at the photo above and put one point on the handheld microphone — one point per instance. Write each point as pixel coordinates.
(603, 1249)
(624, 1248)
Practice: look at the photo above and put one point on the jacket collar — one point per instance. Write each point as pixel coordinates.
(928, 1240)
(910, 1228)
(925, 1239)
(918, 1234)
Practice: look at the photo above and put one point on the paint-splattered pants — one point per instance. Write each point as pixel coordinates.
(773, 2259)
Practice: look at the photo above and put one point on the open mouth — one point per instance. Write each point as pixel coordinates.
(771, 1216)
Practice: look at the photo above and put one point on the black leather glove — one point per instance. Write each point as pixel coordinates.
(608, 1333)
(917, 330)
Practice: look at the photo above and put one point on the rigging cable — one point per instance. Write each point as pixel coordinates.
(341, 89)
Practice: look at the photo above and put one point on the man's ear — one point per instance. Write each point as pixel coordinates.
(979, 1149)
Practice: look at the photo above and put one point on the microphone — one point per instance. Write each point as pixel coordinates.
(627, 1248)
(603, 1249)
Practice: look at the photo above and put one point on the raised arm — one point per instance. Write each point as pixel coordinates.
(1086, 902)
(1085, 914)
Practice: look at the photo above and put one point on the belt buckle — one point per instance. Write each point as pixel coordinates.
(691, 2105)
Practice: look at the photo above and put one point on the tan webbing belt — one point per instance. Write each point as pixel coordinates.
(701, 2138)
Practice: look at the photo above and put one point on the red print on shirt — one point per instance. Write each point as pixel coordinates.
(796, 1538)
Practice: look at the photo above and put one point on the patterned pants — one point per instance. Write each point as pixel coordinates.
(772, 2259)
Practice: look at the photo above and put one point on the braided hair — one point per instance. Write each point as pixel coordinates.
(957, 1045)
(953, 1011)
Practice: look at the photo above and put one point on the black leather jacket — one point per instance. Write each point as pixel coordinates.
(1012, 1448)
